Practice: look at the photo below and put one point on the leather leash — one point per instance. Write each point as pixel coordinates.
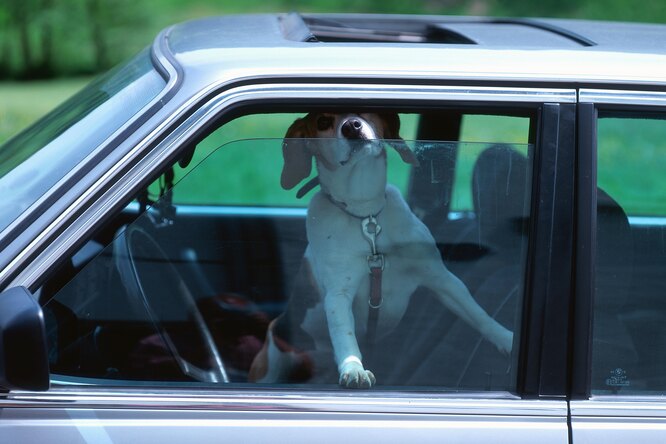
(371, 230)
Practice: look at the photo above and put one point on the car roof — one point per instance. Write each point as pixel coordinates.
(224, 49)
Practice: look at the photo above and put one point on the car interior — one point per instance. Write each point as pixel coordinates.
(168, 292)
(627, 345)
(241, 268)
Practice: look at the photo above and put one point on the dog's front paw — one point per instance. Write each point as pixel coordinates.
(353, 375)
(504, 342)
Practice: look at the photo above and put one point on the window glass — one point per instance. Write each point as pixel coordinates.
(480, 128)
(245, 288)
(629, 340)
(255, 188)
(37, 158)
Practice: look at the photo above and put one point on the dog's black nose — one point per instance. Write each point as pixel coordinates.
(352, 128)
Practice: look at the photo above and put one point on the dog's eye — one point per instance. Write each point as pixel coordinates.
(324, 122)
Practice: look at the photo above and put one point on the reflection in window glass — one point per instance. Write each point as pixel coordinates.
(213, 293)
(629, 340)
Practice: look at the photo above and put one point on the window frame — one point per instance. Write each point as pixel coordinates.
(592, 103)
(554, 109)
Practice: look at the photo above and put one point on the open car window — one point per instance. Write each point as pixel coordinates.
(198, 293)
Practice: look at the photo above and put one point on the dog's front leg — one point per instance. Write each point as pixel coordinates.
(341, 326)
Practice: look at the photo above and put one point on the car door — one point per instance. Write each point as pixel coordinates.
(154, 325)
(620, 369)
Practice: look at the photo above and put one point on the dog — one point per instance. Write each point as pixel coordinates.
(358, 228)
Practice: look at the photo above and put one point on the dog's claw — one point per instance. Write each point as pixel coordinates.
(364, 380)
(355, 376)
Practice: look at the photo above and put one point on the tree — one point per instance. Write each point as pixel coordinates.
(44, 38)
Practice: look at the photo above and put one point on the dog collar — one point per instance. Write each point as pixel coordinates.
(353, 210)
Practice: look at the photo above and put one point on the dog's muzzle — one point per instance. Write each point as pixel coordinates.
(357, 132)
(355, 128)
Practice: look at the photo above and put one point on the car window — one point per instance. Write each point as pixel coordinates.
(37, 158)
(233, 289)
(481, 128)
(629, 339)
(253, 190)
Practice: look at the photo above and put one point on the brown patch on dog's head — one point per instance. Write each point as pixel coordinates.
(391, 125)
(296, 153)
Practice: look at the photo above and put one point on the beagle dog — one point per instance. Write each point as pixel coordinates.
(367, 252)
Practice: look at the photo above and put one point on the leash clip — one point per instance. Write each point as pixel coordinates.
(371, 230)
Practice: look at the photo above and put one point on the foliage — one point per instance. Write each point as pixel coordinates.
(47, 38)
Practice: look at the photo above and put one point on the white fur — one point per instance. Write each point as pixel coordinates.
(337, 253)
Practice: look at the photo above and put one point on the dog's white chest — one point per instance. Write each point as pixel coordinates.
(339, 251)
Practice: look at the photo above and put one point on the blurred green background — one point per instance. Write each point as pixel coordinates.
(49, 49)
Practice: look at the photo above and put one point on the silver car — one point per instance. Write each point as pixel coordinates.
(147, 246)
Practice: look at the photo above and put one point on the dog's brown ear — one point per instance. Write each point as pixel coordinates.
(391, 125)
(297, 156)
(406, 154)
(392, 135)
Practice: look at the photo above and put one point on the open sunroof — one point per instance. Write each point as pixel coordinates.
(487, 32)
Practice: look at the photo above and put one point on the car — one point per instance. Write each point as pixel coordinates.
(149, 251)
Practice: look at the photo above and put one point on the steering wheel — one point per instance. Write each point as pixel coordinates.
(149, 276)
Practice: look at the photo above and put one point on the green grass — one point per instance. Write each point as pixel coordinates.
(247, 172)
(632, 154)
(477, 131)
(22, 103)
(243, 159)
(631, 160)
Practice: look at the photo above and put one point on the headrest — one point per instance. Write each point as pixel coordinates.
(500, 192)
(615, 253)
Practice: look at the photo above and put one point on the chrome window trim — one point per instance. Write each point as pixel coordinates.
(619, 419)
(622, 97)
(165, 63)
(620, 406)
(29, 273)
(342, 401)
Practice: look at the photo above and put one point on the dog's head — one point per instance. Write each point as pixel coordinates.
(344, 146)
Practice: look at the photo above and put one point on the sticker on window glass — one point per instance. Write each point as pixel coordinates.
(618, 378)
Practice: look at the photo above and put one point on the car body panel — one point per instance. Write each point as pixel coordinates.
(246, 55)
(202, 416)
(618, 419)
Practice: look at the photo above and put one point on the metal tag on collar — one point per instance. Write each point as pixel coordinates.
(371, 230)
